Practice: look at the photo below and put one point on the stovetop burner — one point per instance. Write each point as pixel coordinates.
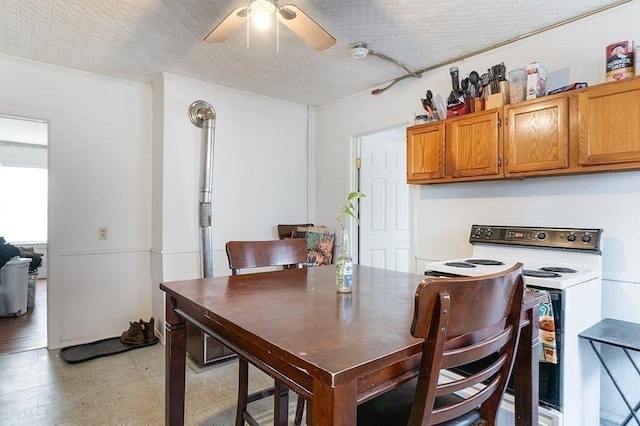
(553, 258)
(490, 262)
(559, 269)
(540, 274)
(460, 264)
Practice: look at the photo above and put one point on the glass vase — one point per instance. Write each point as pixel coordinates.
(344, 266)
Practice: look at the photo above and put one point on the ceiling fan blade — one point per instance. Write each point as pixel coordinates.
(227, 26)
(305, 27)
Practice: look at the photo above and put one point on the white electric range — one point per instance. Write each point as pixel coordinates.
(567, 263)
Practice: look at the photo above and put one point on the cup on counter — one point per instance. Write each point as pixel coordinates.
(517, 85)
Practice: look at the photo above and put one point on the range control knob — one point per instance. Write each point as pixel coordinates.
(586, 238)
(542, 235)
(488, 233)
(571, 237)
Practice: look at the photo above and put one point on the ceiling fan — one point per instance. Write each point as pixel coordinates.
(290, 15)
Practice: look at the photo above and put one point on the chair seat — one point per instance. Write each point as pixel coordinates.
(393, 408)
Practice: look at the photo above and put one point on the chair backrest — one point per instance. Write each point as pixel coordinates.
(464, 320)
(289, 231)
(290, 253)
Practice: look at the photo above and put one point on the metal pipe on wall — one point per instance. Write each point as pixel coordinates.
(203, 115)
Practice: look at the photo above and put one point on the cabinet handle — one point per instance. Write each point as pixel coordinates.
(499, 162)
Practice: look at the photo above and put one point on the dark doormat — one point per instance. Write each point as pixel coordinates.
(105, 347)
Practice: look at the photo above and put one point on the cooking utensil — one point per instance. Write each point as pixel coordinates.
(456, 102)
(484, 80)
(465, 86)
(474, 87)
(502, 72)
(427, 104)
(456, 95)
(495, 75)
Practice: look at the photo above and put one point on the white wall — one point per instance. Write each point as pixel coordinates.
(444, 213)
(99, 175)
(259, 174)
(106, 137)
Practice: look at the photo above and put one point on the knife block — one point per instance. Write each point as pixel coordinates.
(495, 100)
(499, 98)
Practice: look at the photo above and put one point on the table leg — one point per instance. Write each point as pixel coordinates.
(615, 383)
(175, 357)
(525, 373)
(637, 406)
(280, 404)
(335, 406)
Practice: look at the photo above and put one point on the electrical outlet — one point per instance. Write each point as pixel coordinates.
(103, 233)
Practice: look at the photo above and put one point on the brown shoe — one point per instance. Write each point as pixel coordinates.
(149, 331)
(134, 335)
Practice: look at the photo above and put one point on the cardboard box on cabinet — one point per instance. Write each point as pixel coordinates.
(536, 80)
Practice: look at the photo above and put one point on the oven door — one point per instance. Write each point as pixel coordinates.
(550, 389)
(550, 383)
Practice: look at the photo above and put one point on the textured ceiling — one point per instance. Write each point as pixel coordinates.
(136, 39)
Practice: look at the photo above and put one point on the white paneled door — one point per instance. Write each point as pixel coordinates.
(384, 212)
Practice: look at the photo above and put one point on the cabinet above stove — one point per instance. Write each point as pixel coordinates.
(595, 129)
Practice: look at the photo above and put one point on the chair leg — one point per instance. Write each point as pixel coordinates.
(243, 390)
(299, 411)
(280, 398)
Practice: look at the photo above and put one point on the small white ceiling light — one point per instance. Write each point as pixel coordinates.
(261, 11)
(359, 51)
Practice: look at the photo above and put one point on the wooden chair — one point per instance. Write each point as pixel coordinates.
(289, 231)
(289, 253)
(462, 320)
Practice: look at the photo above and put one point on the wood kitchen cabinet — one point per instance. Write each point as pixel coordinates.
(425, 153)
(610, 126)
(595, 129)
(526, 139)
(474, 146)
(538, 136)
(465, 148)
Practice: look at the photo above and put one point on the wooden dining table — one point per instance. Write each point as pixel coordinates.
(335, 350)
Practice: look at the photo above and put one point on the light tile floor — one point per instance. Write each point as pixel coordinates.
(39, 388)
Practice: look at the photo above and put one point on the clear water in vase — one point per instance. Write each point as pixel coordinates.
(344, 266)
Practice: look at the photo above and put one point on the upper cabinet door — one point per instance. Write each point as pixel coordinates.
(474, 144)
(610, 124)
(425, 153)
(536, 137)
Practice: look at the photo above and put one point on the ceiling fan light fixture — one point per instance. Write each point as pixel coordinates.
(261, 11)
(359, 51)
(261, 21)
(289, 15)
(264, 6)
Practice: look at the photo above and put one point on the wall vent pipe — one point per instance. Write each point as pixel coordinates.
(203, 115)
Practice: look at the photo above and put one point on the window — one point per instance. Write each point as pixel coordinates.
(23, 204)
(23, 179)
